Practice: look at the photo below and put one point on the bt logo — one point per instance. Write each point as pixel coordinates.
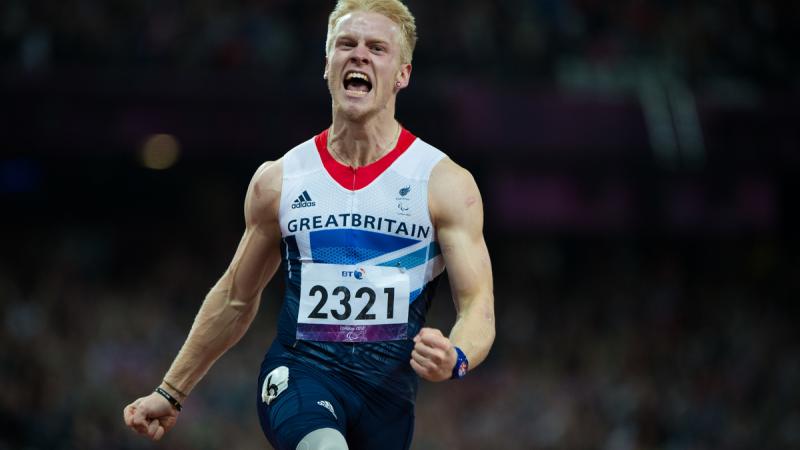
(358, 274)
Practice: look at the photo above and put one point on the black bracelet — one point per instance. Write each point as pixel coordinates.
(176, 390)
(172, 400)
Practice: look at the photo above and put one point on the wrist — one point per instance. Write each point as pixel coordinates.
(173, 390)
(169, 397)
(461, 367)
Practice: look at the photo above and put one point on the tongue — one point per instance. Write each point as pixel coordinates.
(358, 85)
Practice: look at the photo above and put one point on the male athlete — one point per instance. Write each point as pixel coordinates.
(363, 218)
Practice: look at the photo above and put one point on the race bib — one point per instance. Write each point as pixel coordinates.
(346, 303)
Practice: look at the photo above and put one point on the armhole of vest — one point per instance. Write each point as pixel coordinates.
(293, 166)
(432, 162)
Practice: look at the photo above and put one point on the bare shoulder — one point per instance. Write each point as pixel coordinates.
(452, 192)
(269, 176)
(447, 171)
(264, 193)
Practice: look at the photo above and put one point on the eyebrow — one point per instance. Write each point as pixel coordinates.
(368, 40)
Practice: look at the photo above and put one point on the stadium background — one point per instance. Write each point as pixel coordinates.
(638, 161)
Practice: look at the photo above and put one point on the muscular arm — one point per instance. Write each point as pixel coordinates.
(228, 309)
(457, 212)
(231, 305)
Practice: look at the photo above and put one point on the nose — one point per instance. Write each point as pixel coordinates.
(360, 54)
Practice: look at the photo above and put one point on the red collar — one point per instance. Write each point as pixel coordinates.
(355, 179)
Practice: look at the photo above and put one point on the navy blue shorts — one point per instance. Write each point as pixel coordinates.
(314, 400)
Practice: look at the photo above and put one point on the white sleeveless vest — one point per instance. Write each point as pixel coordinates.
(359, 222)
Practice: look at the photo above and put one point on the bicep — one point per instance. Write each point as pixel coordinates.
(459, 218)
(258, 255)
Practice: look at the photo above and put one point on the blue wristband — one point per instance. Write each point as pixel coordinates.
(462, 365)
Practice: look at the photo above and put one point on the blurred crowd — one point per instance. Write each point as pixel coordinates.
(624, 344)
(515, 40)
(613, 343)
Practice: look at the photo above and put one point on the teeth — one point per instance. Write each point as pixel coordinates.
(358, 75)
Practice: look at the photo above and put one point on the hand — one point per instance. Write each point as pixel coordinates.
(150, 416)
(433, 356)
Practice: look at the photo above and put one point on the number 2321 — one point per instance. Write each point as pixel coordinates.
(344, 296)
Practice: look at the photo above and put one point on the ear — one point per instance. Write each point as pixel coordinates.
(403, 76)
(325, 73)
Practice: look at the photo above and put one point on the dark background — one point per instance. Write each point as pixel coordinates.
(638, 161)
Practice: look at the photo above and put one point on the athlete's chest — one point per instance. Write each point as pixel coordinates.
(392, 204)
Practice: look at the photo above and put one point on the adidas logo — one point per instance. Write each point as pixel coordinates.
(304, 201)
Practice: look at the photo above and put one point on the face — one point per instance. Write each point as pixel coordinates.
(363, 65)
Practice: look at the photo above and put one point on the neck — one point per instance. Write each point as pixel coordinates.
(358, 144)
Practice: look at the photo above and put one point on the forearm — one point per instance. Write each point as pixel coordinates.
(220, 323)
(474, 331)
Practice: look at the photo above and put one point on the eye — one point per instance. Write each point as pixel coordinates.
(378, 48)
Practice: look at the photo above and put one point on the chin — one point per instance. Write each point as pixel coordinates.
(356, 113)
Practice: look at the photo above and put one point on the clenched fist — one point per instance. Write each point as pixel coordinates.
(433, 356)
(150, 416)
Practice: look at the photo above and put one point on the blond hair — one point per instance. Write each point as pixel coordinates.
(394, 10)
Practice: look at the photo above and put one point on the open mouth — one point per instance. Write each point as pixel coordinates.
(357, 83)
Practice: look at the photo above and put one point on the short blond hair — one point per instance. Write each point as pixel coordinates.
(394, 10)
